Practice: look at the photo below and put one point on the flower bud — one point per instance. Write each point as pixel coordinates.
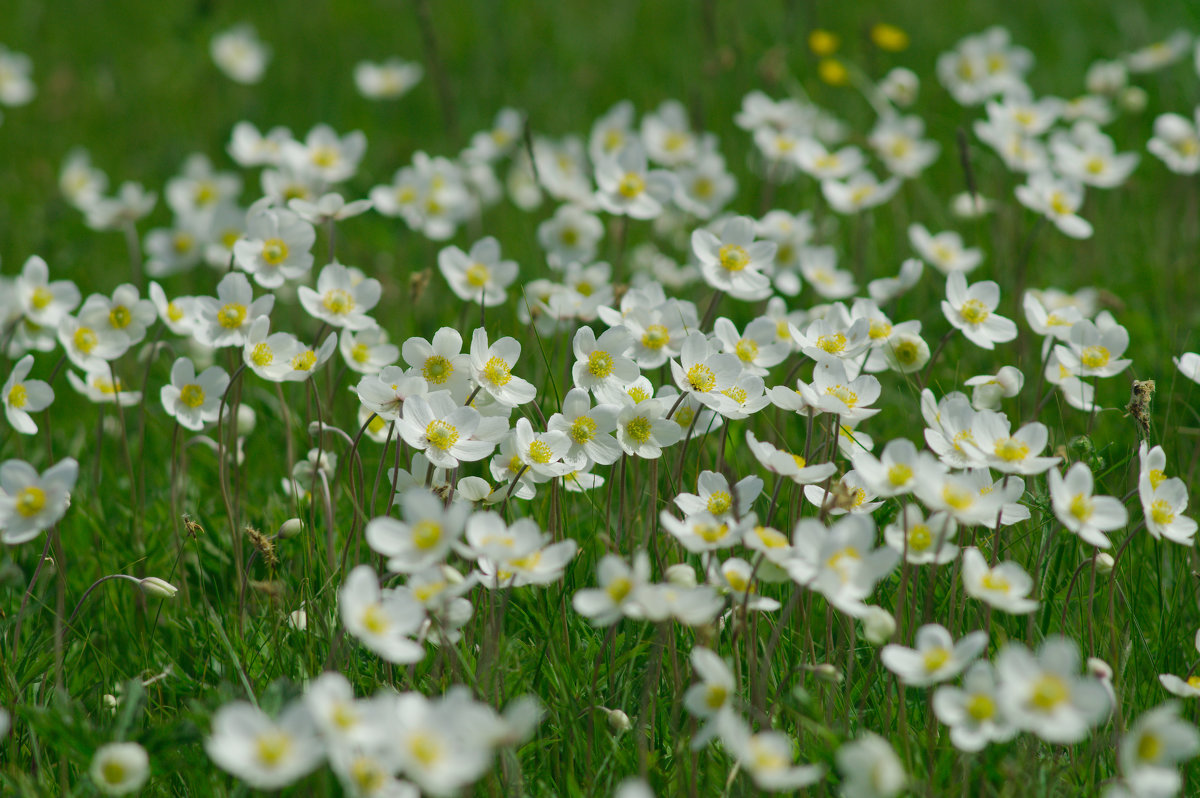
(153, 586)
(681, 575)
(618, 721)
(1104, 564)
(298, 620)
(110, 701)
(878, 626)
(291, 528)
(827, 673)
(1133, 99)
(247, 419)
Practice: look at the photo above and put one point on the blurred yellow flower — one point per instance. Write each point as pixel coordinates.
(889, 37)
(833, 72)
(823, 42)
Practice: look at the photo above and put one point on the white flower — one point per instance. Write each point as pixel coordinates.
(936, 657)
(703, 370)
(840, 562)
(625, 187)
(1081, 512)
(324, 155)
(784, 463)
(861, 192)
(1007, 451)
(444, 430)
(989, 389)
(1153, 748)
(341, 301)
(31, 502)
(100, 387)
(767, 757)
(276, 245)
(848, 399)
(387, 80)
(43, 302)
(479, 276)
(382, 620)
(22, 396)
(923, 541)
(90, 343)
(1005, 586)
(119, 768)
(226, 320)
(1176, 142)
(266, 754)
(734, 262)
(975, 712)
(1058, 200)
(16, 87)
(1094, 350)
(1046, 695)
(240, 54)
(425, 536)
(194, 400)
(973, 310)
(620, 587)
(643, 431)
(571, 235)
(601, 365)
(944, 251)
(367, 351)
(491, 368)
(588, 428)
(870, 768)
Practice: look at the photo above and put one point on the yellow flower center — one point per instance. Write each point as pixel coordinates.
(272, 747)
(736, 394)
(174, 312)
(737, 581)
(1082, 507)
(232, 316)
(618, 589)
(41, 298)
(360, 353)
(338, 301)
(30, 501)
(582, 429)
(655, 337)
(496, 372)
(540, 452)
(715, 696)
(848, 397)
(374, 619)
(638, 429)
(478, 275)
(771, 538)
(1161, 512)
(711, 533)
(675, 140)
(426, 534)
(974, 311)
(441, 435)
(1049, 691)
(631, 185)
(367, 775)
(600, 364)
(437, 369)
(899, 474)
(113, 772)
(638, 394)
(1060, 205)
(85, 340)
(1095, 357)
(1156, 477)
(906, 352)
(325, 157)
(935, 658)
(799, 461)
(120, 317)
(703, 187)
(569, 236)
(18, 397)
(920, 537)
(843, 561)
(305, 360)
(733, 257)
(684, 415)
(1150, 747)
(1011, 450)
(981, 707)
(701, 378)
(833, 344)
(994, 581)
(262, 355)
(719, 502)
(424, 749)
(274, 251)
(746, 350)
(956, 497)
(192, 395)
(879, 329)
(1194, 682)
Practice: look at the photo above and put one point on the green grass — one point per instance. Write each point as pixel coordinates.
(133, 83)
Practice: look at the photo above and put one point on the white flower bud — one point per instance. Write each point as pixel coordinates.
(682, 575)
(1133, 99)
(878, 626)
(247, 419)
(153, 586)
(827, 672)
(970, 206)
(291, 528)
(298, 620)
(110, 701)
(1104, 564)
(618, 721)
